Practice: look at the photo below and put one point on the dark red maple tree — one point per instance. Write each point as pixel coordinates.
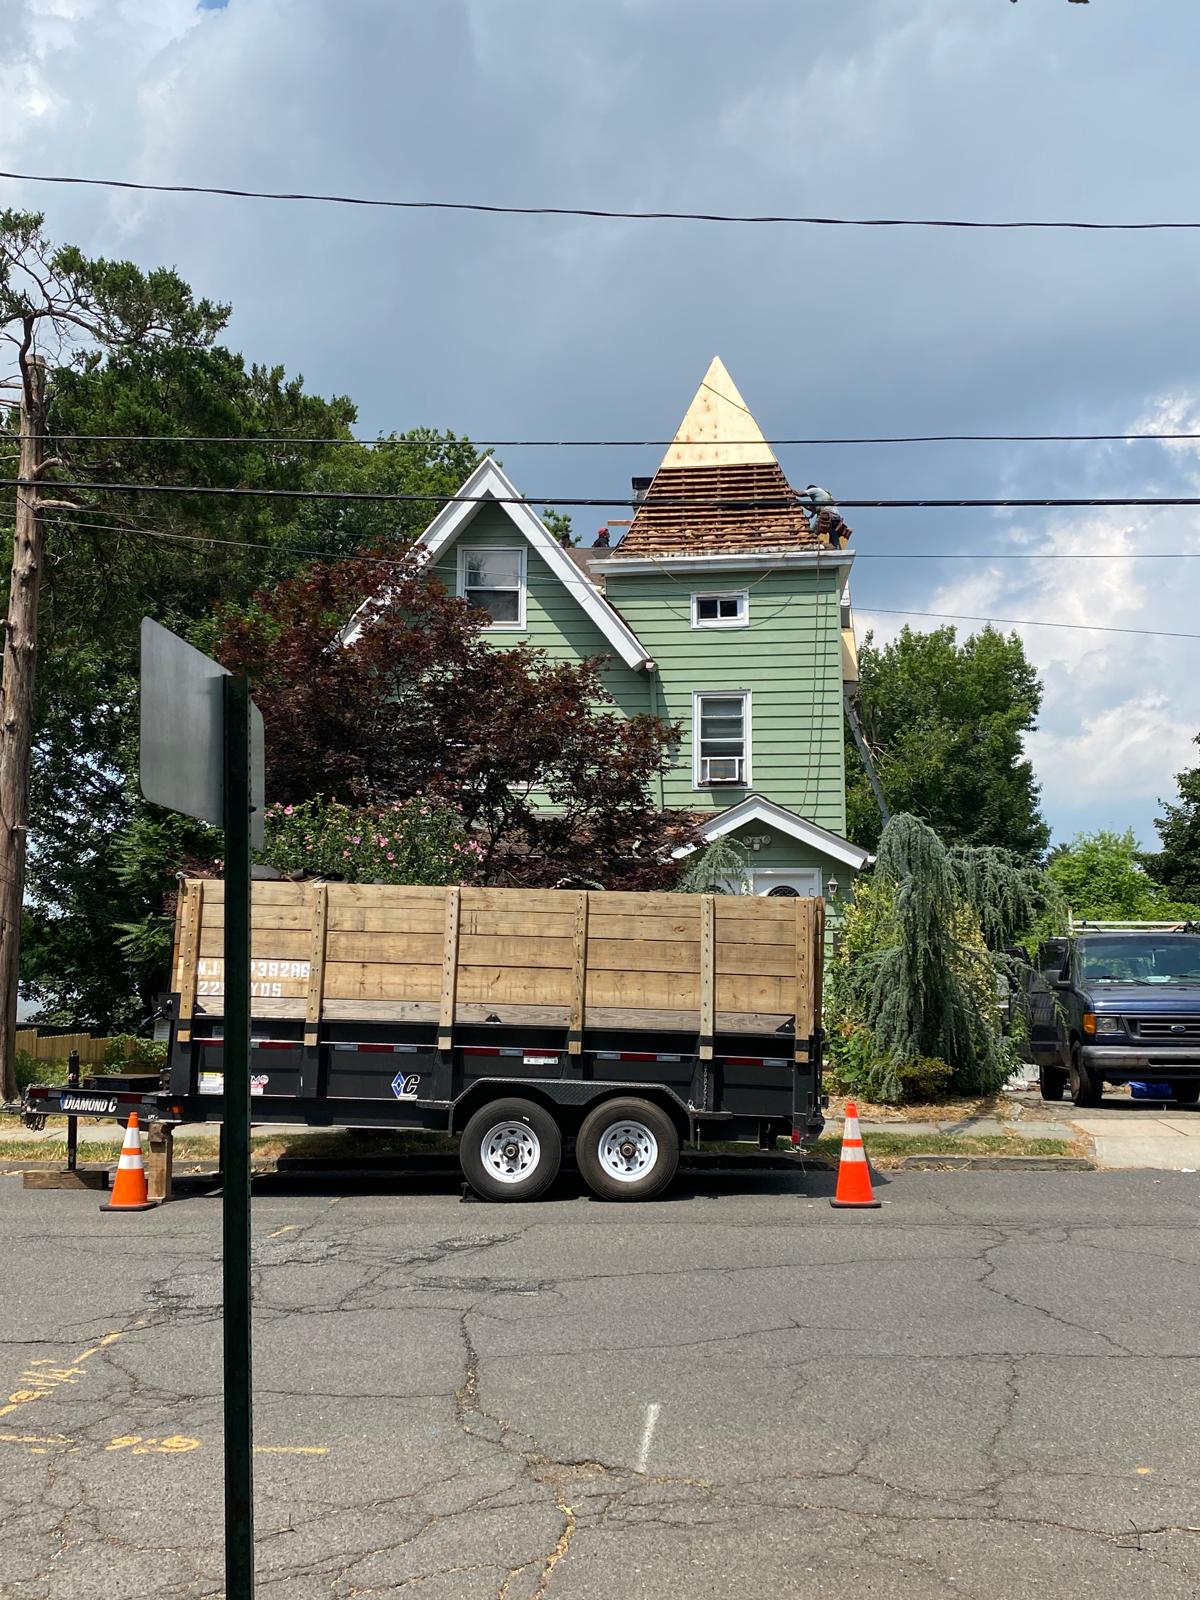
(554, 784)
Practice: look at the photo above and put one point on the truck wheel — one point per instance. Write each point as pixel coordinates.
(510, 1150)
(627, 1150)
(1186, 1093)
(1086, 1088)
(1052, 1081)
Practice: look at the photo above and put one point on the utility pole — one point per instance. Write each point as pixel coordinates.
(17, 697)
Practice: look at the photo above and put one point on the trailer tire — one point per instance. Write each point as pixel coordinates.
(627, 1150)
(510, 1150)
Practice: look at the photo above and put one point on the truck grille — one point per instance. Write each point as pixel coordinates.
(1166, 1027)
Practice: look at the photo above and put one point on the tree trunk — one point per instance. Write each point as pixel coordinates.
(17, 706)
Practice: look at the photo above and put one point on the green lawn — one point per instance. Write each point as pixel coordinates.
(883, 1148)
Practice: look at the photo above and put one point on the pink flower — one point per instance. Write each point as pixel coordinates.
(357, 839)
(287, 810)
(391, 855)
(345, 855)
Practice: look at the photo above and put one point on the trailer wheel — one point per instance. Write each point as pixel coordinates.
(511, 1150)
(627, 1150)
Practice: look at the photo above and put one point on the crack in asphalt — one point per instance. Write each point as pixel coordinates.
(563, 1498)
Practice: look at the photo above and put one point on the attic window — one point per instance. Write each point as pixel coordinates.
(492, 579)
(720, 610)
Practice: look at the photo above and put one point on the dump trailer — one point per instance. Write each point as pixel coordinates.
(524, 1021)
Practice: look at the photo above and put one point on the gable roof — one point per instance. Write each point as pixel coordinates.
(719, 487)
(757, 808)
(489, 482)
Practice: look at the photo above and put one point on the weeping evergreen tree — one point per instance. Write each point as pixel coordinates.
(717, 868)
(915, 979)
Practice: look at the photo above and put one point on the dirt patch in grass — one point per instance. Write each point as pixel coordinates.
(998, 1107)
(345, 1144)
(888, 1149)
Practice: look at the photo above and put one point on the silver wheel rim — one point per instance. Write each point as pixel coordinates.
(511, 1152)
(627, 1151)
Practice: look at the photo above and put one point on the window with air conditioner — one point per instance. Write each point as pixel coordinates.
(492, 580)
(721, 739)
(721, 610)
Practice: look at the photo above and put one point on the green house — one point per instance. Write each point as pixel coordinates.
(724, 608)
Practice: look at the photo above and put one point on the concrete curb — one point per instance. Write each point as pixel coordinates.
(952, 1163)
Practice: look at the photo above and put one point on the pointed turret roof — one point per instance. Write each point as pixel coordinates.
(720, 487)
(718, 429)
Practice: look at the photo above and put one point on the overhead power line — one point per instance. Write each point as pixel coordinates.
(863, 610)
(679, 502)
(602, 214)
(386, 443)
(1022, 622)
(285, 546)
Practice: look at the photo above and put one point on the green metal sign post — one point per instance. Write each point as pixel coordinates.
(202, 754)
(239, 1433)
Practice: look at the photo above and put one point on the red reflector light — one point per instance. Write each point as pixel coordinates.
(795, 1135)
(376, 1049)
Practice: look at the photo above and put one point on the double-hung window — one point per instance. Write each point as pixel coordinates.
(492, 579)
(720, 610)
(721, 738)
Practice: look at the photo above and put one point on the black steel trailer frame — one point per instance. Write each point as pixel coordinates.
(384, 1075)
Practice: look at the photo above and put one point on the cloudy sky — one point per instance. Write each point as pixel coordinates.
(507, 327)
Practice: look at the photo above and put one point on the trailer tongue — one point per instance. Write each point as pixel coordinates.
(521, 1020)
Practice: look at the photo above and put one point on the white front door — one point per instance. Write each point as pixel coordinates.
(805, 882)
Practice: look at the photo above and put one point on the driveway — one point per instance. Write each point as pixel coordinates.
(985, 1388)
(1126, 1132)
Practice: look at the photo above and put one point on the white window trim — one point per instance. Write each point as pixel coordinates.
(697, 696)
(764, 879)
(521, 551)
(742, 621)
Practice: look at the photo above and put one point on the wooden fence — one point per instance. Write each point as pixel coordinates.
(57, 1046)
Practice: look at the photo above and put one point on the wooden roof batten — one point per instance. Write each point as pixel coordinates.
(720, 487)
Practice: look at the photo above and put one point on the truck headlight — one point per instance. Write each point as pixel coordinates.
(1104, 1025)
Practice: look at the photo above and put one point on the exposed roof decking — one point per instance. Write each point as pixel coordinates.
(689, 510)
(719, 488)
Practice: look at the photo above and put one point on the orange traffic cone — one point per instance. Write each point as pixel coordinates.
(129, 1191)
(854, 1175)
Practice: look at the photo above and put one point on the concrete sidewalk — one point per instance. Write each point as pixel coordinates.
(1167, 1140)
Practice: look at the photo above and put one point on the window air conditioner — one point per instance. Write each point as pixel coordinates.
(721, 769)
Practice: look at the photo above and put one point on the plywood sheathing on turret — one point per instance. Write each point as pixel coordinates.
(720, 487)
(718, 430)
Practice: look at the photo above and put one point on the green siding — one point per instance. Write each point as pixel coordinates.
(554, 620)
(789, 660)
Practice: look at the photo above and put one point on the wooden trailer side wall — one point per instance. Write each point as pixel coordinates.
(558, 957)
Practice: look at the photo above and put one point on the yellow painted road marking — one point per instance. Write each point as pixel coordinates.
(290, 1228)
(46, 1374)
(174, 1445)
(137, 1444)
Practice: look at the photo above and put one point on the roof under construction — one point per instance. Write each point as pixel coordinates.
(720, 487)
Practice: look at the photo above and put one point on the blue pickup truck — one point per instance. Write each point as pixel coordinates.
(1117, 1005)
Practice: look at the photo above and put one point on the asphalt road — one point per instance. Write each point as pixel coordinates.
(986, 1388)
